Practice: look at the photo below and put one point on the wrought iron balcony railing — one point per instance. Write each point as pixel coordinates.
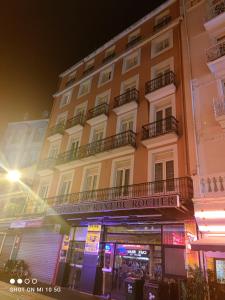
(98, 110)
(219, 107)
(162, 23)
(79, 119)
(159, 82)
(133, 41)
(215, 52)
(128, 96)
(175, 186)
(160, 127)
(109, 57)
(47, 163)
(215, 10)
(110, 143)
(59, 128)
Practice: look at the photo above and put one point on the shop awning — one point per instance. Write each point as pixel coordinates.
(209, 244)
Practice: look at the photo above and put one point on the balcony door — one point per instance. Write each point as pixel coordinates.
(64, 187)
(54, 150)
(126, 124)
(164, 176)
(162, 77)
(74, 145)
(122, 181)
(90, 186)
(161, 114)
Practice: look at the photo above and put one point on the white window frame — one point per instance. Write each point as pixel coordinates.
(111, 68)
(133, 35)
(110, 50)
(114, 168)
(151, 160)
(45, 181)
(102, 95)
(126, 58)
(161, 104)
(82, 105)
(99, 125)
(89, 64)
(132, 114)
(84, 174)
(68, 95)
(161, 65)
(58, 143)
(62, 115)
(76, 136)
(162, 15)
(70, 173)
(156, 41)
(129, 80)
(88, 81)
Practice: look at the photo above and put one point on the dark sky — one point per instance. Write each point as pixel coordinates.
(41, 38)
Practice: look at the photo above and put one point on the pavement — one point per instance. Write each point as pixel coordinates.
(16, 292)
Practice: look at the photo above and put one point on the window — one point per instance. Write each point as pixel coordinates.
(129, 84)
(65, 184)
(110, 51)
(74, 143)
(162, 44)
(80, 109)
(61, 119)
(53, 150)
(84, 88)
(163, 173)
(71, 78)
(163, 113)
(65, 99)
(89, 65)
(105, 75)
(134, 35)
(131, 61)
(121, 176)
(127, 124)
(43, 190)
(102, 98)
(91, 179)
(97, 134)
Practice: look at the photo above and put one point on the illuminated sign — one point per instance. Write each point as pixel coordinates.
(93, 239)
(165, 201)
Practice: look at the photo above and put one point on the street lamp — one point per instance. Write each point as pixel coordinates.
(13, 175)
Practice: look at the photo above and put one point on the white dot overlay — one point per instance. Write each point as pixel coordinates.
(12, 280)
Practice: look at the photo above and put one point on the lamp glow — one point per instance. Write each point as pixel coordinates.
(13, 175)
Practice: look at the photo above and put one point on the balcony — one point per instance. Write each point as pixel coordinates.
(166, 20)
(75, 124)
(98, 114)
(55, 133)
(70, 82)
(88, 70)
(164, 195)
(133, 42)
(160, 133)
(109, 57)
(122, 143)
(215, 20)
(126, 102)
(160, 86)
(45, 166)
(215, 56)
(219, 111)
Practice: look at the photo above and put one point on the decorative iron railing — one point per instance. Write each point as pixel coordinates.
(59, 128)
(215, 52)
(160, 127)
(110, 143)
(98, 110)
(79, 119)
(159, 82)
(175, 186)
(128, 96)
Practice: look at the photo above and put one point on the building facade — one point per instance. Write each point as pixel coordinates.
(204, 32)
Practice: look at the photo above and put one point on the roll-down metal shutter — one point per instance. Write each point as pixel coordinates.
(6, 250)
(40, 251)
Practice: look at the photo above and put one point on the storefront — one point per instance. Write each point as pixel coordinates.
(147, 251)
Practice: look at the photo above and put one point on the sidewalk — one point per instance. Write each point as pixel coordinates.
(65, 294)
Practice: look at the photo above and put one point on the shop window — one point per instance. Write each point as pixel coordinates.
(220, 270)
(174, 261)
(173, 235)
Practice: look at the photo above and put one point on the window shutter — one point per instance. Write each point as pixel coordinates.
(158, 171)
(169, 169)
(127, 177)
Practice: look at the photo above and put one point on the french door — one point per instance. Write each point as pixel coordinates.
(164, 176)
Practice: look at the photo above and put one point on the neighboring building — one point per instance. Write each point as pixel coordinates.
(115, 164)
(20, 149)
(204, 53)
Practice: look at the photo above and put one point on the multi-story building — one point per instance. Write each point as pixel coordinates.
(204, 52)
(20, 150)
(114, 174)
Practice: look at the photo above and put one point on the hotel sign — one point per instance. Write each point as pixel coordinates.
(165, 201)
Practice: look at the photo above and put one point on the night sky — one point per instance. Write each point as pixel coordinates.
(41, 38)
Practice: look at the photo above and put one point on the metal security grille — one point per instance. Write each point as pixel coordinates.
(40, 251)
